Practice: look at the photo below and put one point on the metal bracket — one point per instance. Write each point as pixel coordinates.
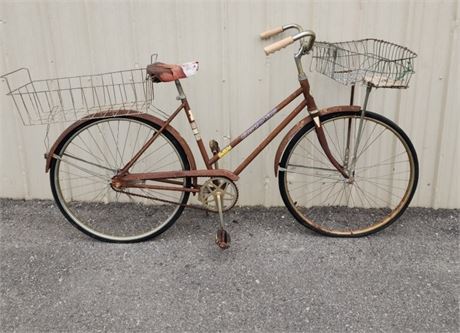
(315, 116)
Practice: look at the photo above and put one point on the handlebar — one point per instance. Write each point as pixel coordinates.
(278, 45)
(271, 32)
(305, 47)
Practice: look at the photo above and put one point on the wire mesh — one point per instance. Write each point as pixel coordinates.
(68, 99)
(374, 62)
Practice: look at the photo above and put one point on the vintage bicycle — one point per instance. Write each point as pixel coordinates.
(121, 172)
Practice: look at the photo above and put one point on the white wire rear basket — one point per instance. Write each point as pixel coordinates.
(374, 62)
(68, 99)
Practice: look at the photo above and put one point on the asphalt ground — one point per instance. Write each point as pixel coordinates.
(276, 277)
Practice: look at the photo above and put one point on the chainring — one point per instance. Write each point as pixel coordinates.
(227, 190)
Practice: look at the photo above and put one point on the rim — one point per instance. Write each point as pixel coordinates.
(332, 184)
(67, 203)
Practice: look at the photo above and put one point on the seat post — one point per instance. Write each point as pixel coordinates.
(180, 90)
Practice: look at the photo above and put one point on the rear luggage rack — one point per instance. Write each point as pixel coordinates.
(68, 99)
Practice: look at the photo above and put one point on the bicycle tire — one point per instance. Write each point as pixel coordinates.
(120, 211)
(333, 217)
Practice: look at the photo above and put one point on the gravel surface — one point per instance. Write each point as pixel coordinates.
(276, 277)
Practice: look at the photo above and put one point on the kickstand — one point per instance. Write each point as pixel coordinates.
(222, 236)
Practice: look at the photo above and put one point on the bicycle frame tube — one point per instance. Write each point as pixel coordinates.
(210, 161)
(255, 126)
(270, 137)
(308, 102)
(128, 165)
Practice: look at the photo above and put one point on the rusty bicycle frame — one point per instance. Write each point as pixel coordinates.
(125, 179)
(309, 175)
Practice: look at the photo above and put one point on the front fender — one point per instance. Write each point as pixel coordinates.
(132, 114)
(304, 122)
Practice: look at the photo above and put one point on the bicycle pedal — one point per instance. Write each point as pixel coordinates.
(223, 239)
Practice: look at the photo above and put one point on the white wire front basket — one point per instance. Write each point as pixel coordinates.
(374, 62)
(68, 99)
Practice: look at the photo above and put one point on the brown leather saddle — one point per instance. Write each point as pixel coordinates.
(161, 72)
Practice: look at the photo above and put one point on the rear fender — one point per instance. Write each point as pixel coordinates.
(304, 122)
(131, 114)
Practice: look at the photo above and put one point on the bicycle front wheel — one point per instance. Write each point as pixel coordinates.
(382, 182)
(87, 159)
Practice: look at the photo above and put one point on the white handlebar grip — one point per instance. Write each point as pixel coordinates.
(278, 45)
(271, 32)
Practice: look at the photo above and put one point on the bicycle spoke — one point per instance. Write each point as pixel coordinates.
(135, 144)
(126, 140)
(324, 200)
(309, 158)
(98, 190)
(73, 187)
(98, 147)
(84, 189)
(379, 165)
(117, 153)
(320, 152)
(106, 144)
(150, 154)
(373, 195)
(99, 196)
(379, 186)
(368, 198)
(88, 152)
(312, 183)
(380, 183)
(365, 143)
(88, 162)
(333, 142)
(323, 189)
(314, 175)
(84, 169)
(154, 166)
(367, 147)
(76, 176)
(310, 167)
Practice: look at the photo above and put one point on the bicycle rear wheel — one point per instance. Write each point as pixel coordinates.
(382, 182)
(88, 158)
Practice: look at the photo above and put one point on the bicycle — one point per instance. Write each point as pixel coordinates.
(119, 173)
